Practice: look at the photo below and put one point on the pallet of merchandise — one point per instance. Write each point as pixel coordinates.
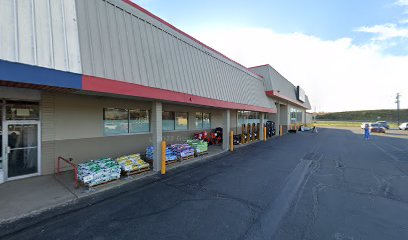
(132, 164)
(167, 162)
(145, 158)
(171, 162)
(98, 172)
(98, 185)
(186, 158)
(138, 171)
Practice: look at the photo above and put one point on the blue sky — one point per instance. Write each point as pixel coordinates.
(310, 42)
(327, 19)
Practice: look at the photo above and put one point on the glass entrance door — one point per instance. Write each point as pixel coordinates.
(22, 149)
(1, 141)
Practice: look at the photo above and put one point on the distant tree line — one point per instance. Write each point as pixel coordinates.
(367, 115)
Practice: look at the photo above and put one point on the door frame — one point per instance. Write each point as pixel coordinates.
(5, 148)
(2, 148)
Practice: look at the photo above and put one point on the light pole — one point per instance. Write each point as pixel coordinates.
(398, 107)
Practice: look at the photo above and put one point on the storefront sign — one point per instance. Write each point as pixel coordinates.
(21, 112)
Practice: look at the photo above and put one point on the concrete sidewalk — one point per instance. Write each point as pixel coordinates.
(33, 196)
(25, 197)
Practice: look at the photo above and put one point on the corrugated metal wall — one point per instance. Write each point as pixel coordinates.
(40, 32)
(274, 81)
(267, 72)
(122, 43)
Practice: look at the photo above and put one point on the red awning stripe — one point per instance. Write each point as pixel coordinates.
(103, 85)
(280, 96)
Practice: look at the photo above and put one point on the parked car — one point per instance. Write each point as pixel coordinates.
(384, 124)
(403, 126)
(376, 127)
(110, 126)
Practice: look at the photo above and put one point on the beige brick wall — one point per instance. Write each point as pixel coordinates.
(47, 111)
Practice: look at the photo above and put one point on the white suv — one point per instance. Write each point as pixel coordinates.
(403, 126)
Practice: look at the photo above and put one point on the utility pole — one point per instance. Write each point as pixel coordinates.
(398, 107)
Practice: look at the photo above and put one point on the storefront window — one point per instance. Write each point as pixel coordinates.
(1, 140)
(242, 117)
(181, 121)
(199, 120)
(295, 115)
(139, 121)
(22, 110)
(174, 121)
(116, 121)
(248, 117)
(202, 120)
(253, 117)
(206, 120)
(124, 121)
(168, 121)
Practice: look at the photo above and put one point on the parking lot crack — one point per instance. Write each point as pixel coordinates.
(199, 187)
(163, 210)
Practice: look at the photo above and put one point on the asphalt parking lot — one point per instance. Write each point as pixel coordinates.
(330, 185)
(357, 189)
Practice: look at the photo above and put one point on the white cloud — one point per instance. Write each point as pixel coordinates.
(402, 2)
(337, 75)
(404, 21)
(385, 31)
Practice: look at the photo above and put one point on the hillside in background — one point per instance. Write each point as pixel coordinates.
(367, 115)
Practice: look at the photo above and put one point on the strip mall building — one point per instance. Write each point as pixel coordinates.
(101, 78)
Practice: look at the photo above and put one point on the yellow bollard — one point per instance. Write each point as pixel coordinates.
(281, 130)
(248, 133)
(253, 132)
(258, 131)
(163, 158)
(264, 134)
(243, 134)
(232, 141)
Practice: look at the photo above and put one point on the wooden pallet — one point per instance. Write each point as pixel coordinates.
(138, 171)
(146, 159)
(98, 185)
(186, 158)
(171, 162)
(201, 153)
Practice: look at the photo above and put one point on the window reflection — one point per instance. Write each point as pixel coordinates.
(22, 162)
(23, 143)
(22, 110)
(21, 136)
